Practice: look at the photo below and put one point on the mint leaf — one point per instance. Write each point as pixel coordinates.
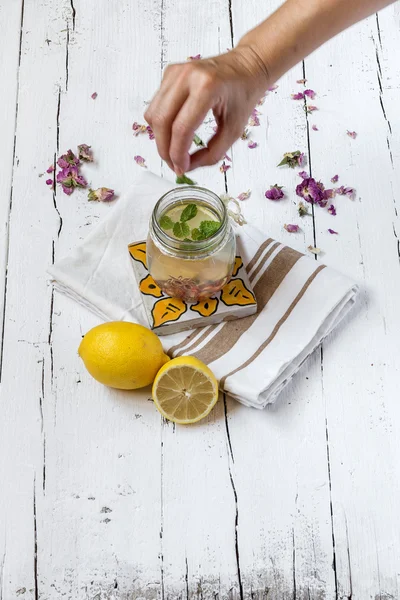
(189, 212)
(197, 140)
(208, 228)
(181, 230)
(183, 179)
(196, 235)
(166, 222)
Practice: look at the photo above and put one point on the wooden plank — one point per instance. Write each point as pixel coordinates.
(360, 367)
(26, 356)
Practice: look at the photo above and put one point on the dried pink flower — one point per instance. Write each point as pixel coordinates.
(310, 109)
(310, 94)
(314, 128)
(345, 191)
(228, 158)
(102, 194)
(303, 174)
(49, 182)
(94, 95)
(68, 159)
(244, 195)
(261, 101)
(254, 121)
(150, 132)
(50, 169)
(195, 57)
(293, 159)
(224, 167)
(70, 178)
(303, 81)
(352, 134)
(140, 161)
(138, 128)
(291, 228)
(332, 231)
(312, 191)
(332, 210)
(252, 145)
(85, 153)
(335, 179)
(273, 88)
(274, 192)
(298, 96)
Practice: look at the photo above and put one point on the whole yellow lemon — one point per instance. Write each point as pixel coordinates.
(122, 355)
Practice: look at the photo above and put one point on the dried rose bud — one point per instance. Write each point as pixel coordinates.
(274, 193)
(291, 228)
(298, 96)
(244, 195)
(85, 153)
(102, 194)
(94, 95)
(252, 145)
(140, 161)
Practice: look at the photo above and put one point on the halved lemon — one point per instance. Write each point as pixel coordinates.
(185, 390)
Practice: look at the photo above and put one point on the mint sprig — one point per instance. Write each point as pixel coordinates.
(181, 230)
(183, 179)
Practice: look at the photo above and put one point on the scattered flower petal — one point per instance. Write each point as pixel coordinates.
(140, 161)
(70, 178)
(273, 88)
(345, 191)
(310, 108)
(195, 57)
(138, 128)
(291, 228)
(303, 81)
(254, 121)
(67, 160)
(244, 135)
(335, 179)
(298, 96)
(314, 250)
(312, 191)
(228, 158)
(302, 209)
(352, 134)
(303, 174)
(94, 95)
(310, 94)
(85, 153)
(293, 159)
(224, 167)
(261, 101)
(332, 210)
(332, 231)
(329, 193)
(252, 145)
(102, 194)
(50, 169)
(49, 182)
(244, 195)
(274, 192)
(150, 132)
(314, 128)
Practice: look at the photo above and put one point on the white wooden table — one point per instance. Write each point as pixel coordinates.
(101, 499)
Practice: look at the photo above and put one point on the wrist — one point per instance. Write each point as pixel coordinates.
(254, 64)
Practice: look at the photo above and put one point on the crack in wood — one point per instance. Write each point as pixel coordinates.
(334, 565)
(228, 435)
(294, 566)
(3, 560)
(309, 160)
(350, 596)
(73, 11)
(239, 575)
(162, 513)
(187, 578)
(231, 22)
(381, 93)
(67, 60)
(35, 544)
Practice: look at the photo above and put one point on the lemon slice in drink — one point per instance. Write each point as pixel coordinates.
(185, 390)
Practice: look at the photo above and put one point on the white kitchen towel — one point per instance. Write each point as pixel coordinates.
(299, 300)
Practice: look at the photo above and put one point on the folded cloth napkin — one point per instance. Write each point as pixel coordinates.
(299, 300)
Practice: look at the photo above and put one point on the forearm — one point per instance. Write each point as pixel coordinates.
(300, 26)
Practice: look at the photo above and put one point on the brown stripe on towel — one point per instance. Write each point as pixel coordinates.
(258, 254)
(261, 264)
(264, 289)
(188, 339)
(276, 328)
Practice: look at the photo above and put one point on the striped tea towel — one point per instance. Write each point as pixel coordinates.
(299, 300)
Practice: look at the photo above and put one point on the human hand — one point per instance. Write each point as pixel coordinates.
(230, 85)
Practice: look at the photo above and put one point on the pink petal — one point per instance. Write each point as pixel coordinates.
(94, 95)
(303, 81)
(252, 145)
(310, 94)
(291, 228)
(311, 108)
(140, 161)
(49, 182)
(244, 195)
(352, 134)
(273, 88)
(228, 158)
(332, 210)
(298, 96)
(224, 167)
(195, 57)
(314, 128)
(335, 179)
(332, 231)
(50, 169)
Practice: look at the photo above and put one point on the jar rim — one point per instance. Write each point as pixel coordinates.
(174, 244)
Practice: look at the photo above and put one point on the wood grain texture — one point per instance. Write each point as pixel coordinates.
(102, 499)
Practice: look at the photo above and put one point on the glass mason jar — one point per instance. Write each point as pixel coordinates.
(188, 269)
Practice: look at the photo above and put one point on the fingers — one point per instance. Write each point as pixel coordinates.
(189, 118)
(217, 147)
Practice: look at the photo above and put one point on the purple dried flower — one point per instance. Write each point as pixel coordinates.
(274, 192)
(332, 210)
(312, 191)
(140, 161)
(273, 88)
(309, 94)
(314, 128)
(49, 182)
(50, 169)
(345, 191)
(94, 95)
(303, 81)
(352, 134)
(70, 178)
(85, 153)
(332, 231)
(138, 128)
(67, 160)
(335, 179)
(244, 195)
(102, 194)
(224, 167)
(298, 96)
(329, 193)
(293, 159)
(310, 109)
(252, 145)
(254, 121)
(228, 158)
(195, 57)
(303, 174)
(291, 228)
(150, 132)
